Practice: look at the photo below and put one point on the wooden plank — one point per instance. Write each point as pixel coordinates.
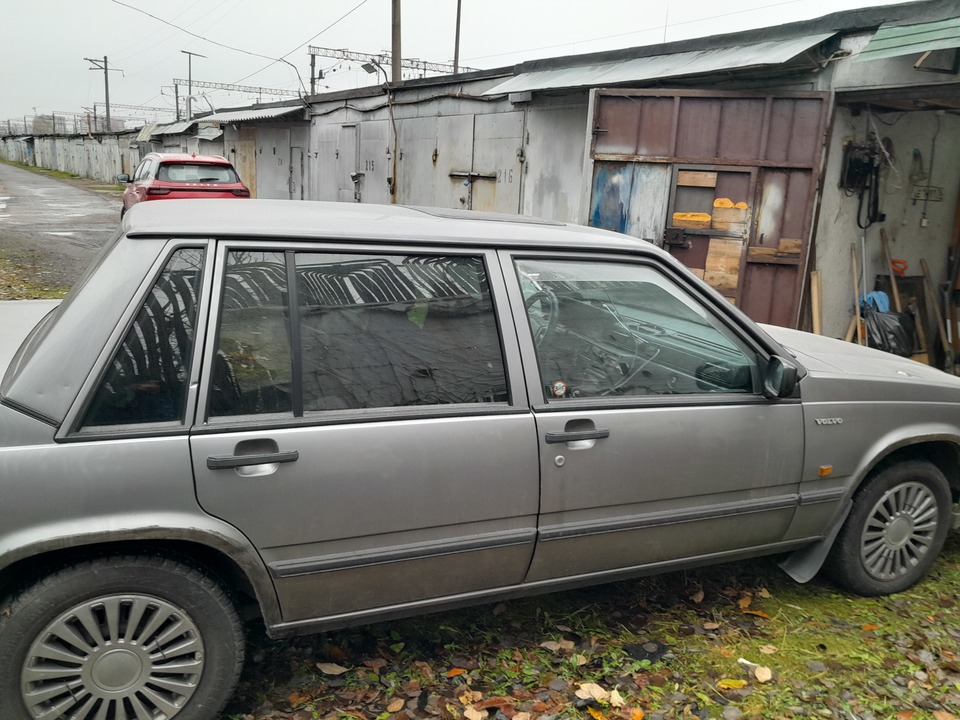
(788, 246)
(722, 269)
(739, 228)
(761, 252)
(815, 305)
(696, 178)
(729, 214)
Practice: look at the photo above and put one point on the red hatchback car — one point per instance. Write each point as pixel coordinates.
(170, 176)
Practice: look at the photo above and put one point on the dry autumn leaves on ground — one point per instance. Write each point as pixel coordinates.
(737, 641)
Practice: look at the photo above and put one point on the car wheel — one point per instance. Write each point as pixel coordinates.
(120, 638)
(895, 530)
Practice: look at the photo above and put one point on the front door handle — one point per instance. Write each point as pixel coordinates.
(565, 437)
(235, 461)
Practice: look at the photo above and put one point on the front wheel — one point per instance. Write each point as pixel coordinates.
(120, 638)
(894, 532)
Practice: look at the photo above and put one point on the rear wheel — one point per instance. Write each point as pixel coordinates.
(895, 530)
(120, 638)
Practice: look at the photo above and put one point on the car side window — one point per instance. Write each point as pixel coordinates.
(607, 329)
(146, 382)
(141, 170)
(365, 331)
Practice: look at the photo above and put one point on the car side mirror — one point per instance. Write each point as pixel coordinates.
(780, 378)
(123, 177)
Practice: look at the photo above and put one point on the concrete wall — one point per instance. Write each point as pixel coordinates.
(916, 229)
(101, 157)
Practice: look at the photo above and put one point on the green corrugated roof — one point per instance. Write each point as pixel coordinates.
(895, 40)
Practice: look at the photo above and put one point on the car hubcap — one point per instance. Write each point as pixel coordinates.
(120, 657)
(899, 531)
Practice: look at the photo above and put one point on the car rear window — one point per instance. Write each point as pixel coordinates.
(196, 172)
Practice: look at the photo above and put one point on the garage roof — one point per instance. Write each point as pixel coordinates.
(231, 116)
(694, 62)
(895, 40)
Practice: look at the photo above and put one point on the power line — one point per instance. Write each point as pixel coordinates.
(342, 17)
(637, 32)
(214, 42)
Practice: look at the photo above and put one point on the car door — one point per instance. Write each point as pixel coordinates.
(366, 425)
(656, 443)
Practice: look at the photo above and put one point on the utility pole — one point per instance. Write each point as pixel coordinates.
(106, 83)
(313, 72)
(190, 81)
(395, 48)
(456, 44)
(176, 99)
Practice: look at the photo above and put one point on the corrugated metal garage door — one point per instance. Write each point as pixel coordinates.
(726, 181)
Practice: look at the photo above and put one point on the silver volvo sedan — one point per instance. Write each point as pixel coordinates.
(332, 414)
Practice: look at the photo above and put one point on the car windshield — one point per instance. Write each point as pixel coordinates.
(196, 172)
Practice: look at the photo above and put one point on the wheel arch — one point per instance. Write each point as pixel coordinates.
(943, 451)
(238, 569)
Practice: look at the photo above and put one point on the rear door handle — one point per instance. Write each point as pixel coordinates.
(235, 461)
(565, 437)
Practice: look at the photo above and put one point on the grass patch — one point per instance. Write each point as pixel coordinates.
(730, 642)
(20, 281)
(58, 174)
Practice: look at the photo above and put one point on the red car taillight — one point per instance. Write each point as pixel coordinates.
(241, 193)
(158, 191)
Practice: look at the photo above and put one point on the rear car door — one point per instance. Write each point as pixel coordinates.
(366, 424)
(656, 443)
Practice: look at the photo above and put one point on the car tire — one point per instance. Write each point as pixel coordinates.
(894, 532)
(120, 638)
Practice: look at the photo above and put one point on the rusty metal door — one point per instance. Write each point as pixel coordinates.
(349, 177)
(245, 157)
(726, 180)
(493, 178)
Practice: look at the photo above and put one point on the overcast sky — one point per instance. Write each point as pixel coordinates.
(44, 42)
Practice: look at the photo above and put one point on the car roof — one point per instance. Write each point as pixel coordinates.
(188, 157)
(318, 220)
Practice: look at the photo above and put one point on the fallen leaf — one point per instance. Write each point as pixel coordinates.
(494, 702)
(453, 672)
(551, 645)
(468, 697)
(522, 716)
(745, 601)
(332, 669)
(767, 649)
(724, 651)
(758, 613)
(763, 674)
(500, 609)
(905, 715)
(711, 626)
(731, 684)
(697, 597)
(943, 715)
(376, 665)
(764, 593)
(592, 691)
(636, 714)
(579, 660)
(616, 699)
(396, 705)
(471, 713)
(564, 628)
(596, 714)
(870, 627)
(298, 698)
